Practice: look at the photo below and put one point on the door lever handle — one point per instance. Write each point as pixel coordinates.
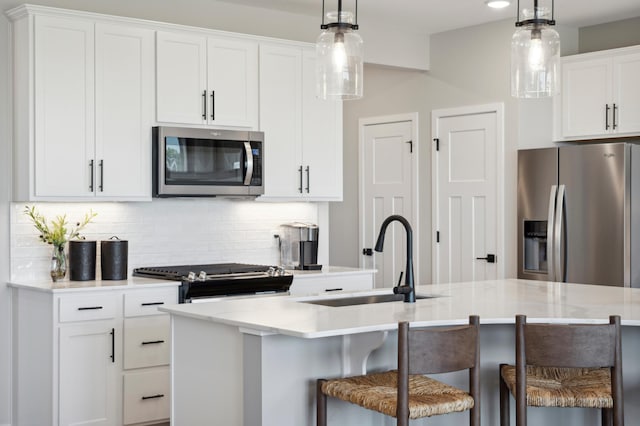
(491, 258)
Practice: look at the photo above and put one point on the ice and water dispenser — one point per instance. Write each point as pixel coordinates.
(535, 246)
(299, 246)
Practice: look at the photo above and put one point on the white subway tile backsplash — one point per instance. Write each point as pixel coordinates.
(163, 232)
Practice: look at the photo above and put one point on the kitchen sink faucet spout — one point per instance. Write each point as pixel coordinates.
(408, 289)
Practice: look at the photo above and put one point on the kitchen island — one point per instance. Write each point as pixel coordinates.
(254, 361)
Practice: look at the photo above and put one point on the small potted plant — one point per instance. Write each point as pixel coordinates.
(57, 234)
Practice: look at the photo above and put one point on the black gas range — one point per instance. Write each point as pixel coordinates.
(220, 280)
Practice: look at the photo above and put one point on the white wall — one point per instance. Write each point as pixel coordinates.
(5, 167)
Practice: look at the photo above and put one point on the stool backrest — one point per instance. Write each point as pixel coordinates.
(568, 345)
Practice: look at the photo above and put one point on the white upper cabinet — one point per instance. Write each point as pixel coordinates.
(207, 80)
(64, 105)
(600, 95)
(303, 135)
(82, 128)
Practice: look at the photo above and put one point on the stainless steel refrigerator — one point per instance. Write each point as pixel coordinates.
(579, 214)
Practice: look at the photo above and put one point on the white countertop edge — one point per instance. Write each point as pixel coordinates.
(68, 286)
(332, 271)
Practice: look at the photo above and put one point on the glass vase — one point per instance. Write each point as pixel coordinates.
(58, 263)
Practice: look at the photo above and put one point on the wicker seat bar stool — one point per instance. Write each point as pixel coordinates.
(406, 393)
(565, 365)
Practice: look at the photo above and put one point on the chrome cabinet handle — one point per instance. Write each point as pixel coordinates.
(204, 105)
(606, 117)
(615, 108)
(91, 176)
(308, 184)
(101, 187)
(300, 187)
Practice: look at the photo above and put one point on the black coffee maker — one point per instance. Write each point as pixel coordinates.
(299, 246)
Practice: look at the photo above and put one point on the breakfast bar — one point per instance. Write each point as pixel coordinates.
(254, 361)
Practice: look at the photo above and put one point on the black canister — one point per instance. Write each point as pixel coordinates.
(113, 262)
(82, 260)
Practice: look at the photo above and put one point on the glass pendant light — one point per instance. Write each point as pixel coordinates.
(339, 56)
(535, 54)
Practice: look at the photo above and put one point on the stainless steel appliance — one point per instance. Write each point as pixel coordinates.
(579, 214)
(191, 162)
(201, 282)
(299, 246)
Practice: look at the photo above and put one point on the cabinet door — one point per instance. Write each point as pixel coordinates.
(88, 373)
(322, 138)
(627, 93)
(586, 92)
(64, 101)
(124, 111)
(232, 82)
(181, 78)
(281, 119)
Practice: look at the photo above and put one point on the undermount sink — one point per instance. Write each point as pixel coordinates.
(364, 300)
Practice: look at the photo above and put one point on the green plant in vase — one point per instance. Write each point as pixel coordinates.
(57, 233)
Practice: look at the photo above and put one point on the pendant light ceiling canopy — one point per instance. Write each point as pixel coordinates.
(535, 53)
(339, 56)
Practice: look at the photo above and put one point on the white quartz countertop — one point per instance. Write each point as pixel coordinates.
(495, 302)
(84, 286)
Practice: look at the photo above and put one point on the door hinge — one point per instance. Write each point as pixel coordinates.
(437, 236)
(437, 141)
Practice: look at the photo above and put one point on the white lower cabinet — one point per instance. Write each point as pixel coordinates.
(88, 374)
(91, 357)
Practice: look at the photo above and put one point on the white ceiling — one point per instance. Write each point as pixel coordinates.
(433, 16)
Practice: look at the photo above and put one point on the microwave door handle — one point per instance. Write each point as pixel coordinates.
(249, 175)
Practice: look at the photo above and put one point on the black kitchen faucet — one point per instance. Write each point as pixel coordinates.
(408, 289)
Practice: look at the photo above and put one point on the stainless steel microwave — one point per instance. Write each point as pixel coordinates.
(190, 162)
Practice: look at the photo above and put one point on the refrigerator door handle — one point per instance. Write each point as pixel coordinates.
(550, 232)
(557, 235)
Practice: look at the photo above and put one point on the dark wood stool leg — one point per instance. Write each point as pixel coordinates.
(607, 417)
(321, 405)
(504, 400)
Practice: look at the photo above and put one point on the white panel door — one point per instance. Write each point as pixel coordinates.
(388, 176)
(281, 119)
(88, 374)
(627, 93)
(466, 196)
(124, 111)
(321, 138)
(64, 106)
(586, 92)
(181, 76)
(233, 82)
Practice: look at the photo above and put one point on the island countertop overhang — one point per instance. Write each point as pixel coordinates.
(495, 301)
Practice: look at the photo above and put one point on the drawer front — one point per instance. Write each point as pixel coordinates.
(146, 396)
(146, 302)
(146, 341)
(308, 285)
(90, 306)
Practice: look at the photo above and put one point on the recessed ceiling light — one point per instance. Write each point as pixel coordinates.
(497, 4)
